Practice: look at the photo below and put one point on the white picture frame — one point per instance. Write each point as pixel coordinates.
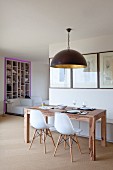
(106, 70)
(86, 77)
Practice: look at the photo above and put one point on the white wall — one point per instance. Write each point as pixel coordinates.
(101, 99)
(92, 45)
(94, 98)
(98, 98)
(1, 84)
(40, 80)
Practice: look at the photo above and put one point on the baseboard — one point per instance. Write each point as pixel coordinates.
(15, 114)
(84, 136)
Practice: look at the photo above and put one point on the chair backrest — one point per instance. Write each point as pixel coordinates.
(37, 119)
(63, 124)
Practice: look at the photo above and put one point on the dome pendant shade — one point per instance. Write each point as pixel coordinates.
(68, 58)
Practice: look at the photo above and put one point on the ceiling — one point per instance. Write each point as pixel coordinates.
(27, 27)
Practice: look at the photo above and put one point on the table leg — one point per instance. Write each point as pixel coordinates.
(92, 150)
(46, 118)
(103, 129)
(26, 127)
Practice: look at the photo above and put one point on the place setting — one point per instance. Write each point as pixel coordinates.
(83, 110)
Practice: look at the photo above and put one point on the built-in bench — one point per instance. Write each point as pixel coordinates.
(109, 121)
(16, 106)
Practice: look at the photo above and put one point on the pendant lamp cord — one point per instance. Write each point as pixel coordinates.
(68, 30)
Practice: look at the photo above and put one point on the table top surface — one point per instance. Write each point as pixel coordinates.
(51, 111)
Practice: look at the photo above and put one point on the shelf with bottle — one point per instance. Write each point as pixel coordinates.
(9, 92)
(16, 77)
(9, 96)
(22, 66)
(9, 67)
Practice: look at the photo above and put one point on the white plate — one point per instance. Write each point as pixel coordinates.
(45, 107)
(84, 113)
(85, 108)
(73, 111)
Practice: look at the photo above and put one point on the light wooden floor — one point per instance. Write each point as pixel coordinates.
(14, 153)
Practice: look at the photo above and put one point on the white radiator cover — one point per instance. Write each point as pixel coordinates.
(96, 98)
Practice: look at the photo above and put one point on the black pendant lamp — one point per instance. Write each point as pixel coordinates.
(68, 58)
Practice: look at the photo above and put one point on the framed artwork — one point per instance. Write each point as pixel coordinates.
(86, 77)
(106, 70)
(60, 77)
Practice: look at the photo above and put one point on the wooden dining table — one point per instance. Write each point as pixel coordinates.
(91, 117)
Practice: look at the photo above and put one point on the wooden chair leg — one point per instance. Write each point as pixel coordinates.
(44, 137)
(76, 139)
(70, 144)
(32, 139)
(51, 137)
(65, 141)
(40, 136)
(57, 144)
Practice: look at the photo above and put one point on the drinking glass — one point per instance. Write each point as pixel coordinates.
(84, 104)
(74, 102)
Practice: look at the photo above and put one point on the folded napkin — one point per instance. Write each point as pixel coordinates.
(86, 108)
(73, 111)
(45, 107)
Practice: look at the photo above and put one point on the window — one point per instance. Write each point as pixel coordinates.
(59, 77)
(86, 77)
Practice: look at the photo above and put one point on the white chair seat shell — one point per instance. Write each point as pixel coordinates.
(41, 128)
(67, 131)
(64, 125)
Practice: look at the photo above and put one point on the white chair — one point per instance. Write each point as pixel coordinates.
(64, 126)
(37, 121)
